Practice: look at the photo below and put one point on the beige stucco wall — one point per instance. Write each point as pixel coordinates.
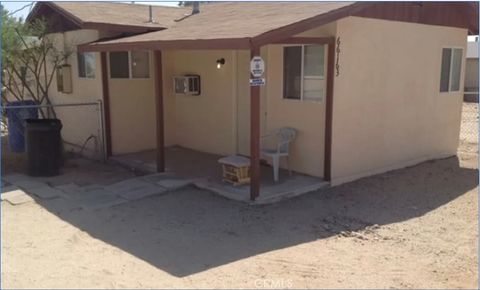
(132, 113)
(79, 122)
(387, 111)
(307, 117)
(204, 122)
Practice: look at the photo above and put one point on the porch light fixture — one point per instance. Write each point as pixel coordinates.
(220, 62)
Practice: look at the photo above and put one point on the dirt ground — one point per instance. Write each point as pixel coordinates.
(412, 228)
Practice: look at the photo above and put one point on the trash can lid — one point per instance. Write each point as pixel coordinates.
(43, 124)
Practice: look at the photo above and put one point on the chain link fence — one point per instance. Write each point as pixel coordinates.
(82, 133)
(469, 128)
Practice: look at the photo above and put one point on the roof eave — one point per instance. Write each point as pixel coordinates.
(224, 43)
(90, 25)
(56, 8)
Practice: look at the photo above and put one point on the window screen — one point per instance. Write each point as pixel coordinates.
(456, 69)
(59, 72)
(313, 67)
(292, 72)
(119, 64)
(81, 65)
(445, 73)
(86, 64)
(451, 69)
(140, 64)
(89, 64)
(314, 60)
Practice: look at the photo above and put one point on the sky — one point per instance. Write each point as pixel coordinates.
(15, 5)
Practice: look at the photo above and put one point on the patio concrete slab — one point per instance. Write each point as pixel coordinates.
(175, 183)
(154, 178)
(91, 187)
(206, 172)
(97, 200)
(16, 197)
(68, 187)
(28, 184)
(15, 177)
(81, 194)
(45, 192)
(71, 191)
(142, 192)
(61, 205)
(128, 185)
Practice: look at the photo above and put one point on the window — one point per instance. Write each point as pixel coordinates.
(64, 79)
(304, 72)
(140, 64)
(59, 79)
(451, 69)
(119, 65)
(86, 65)
(125, 64)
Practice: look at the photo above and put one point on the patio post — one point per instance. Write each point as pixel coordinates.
(327, 175)
(159, 111)
(106, 103)
(254, 134)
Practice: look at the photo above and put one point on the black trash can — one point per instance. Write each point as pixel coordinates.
(43, 146)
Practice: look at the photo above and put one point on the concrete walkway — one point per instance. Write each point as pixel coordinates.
(20, 188)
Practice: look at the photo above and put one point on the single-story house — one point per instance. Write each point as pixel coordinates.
(368, 86)
(471, 72)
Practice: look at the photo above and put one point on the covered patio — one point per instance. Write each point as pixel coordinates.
(203, 170)
(243, 135)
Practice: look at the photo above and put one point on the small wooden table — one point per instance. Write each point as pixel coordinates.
(236, 169)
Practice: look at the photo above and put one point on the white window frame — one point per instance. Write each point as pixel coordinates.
(85, 66)
(451, 67)
(130, 72)
(302, 75)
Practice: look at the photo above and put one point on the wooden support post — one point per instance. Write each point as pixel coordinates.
(159, 111)
(327, 172)
(254, 135)
(106, 103)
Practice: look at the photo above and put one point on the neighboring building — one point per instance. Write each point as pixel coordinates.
(471, 72)
(370, 86)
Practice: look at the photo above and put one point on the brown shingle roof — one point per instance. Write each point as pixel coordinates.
(237, 20)
(239, 24)
(114, 13)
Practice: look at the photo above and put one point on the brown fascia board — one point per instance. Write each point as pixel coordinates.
(230, 43)
(120, 27)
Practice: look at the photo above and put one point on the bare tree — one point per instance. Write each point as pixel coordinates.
(29, 61)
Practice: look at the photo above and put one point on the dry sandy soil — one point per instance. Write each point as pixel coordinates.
(411, 228)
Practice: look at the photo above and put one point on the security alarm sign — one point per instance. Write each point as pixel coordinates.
(257, 66)
(256, 82)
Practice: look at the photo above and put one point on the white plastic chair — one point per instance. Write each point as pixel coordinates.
(283, 138)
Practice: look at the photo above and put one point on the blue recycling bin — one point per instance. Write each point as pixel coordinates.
(16, 123)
